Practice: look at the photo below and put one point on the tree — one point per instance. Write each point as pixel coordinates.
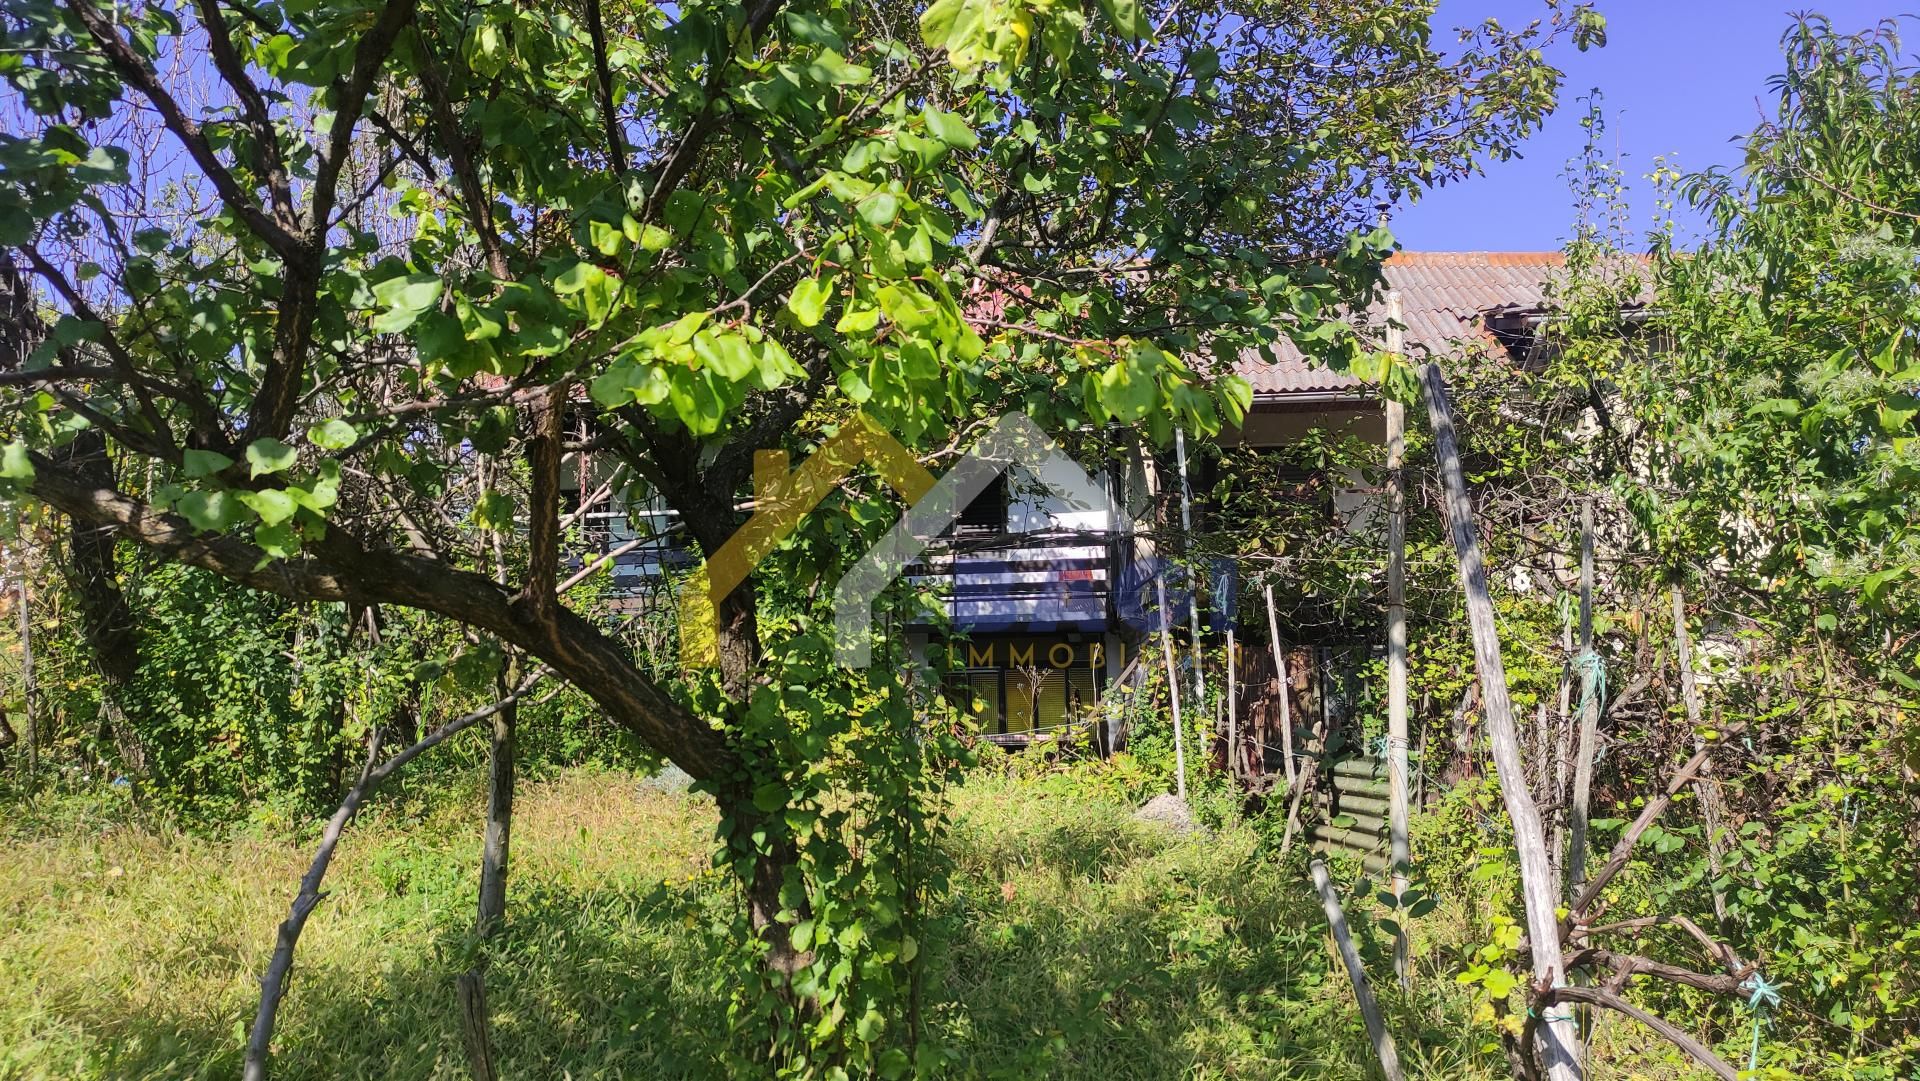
(1789, 392)
(398, 239)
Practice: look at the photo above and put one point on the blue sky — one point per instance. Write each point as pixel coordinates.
(1682, 78)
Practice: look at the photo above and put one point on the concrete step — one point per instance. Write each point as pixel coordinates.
(1365, 768)
(1355, 803)
(1355, 839)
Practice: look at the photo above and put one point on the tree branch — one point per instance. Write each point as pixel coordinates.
(340, 568)
(1617, 860)
(140, 74)
(1594, 996)
(234, 71)
(609, 119)
(273, 406)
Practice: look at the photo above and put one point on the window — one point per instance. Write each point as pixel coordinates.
(988, 511)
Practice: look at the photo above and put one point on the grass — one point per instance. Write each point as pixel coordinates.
(1077, 944)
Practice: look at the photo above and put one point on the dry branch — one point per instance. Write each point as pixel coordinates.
(273, 985)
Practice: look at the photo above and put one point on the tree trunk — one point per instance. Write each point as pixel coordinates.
(499, 832)
(1558, 1038)
(764, 903)
(106, 619)
(28, 689)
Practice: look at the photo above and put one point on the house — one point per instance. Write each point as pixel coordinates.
(1050, 606)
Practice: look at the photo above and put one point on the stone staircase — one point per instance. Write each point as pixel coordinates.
(1353, 811)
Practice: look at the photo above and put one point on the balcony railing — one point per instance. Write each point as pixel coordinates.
(1056, 580)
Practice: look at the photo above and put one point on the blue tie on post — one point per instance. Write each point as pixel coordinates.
(1762, 997)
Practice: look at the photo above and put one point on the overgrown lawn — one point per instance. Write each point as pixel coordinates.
(1078, 943)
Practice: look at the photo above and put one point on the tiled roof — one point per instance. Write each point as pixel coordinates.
(1442, 295)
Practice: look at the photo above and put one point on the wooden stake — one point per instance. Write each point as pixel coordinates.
(1233, 709)
(1401, 853)
(1193, 573)
(492, 908)
(1369, 1009)
(472, 990)
(1704, 787)
(1582, 803)
(27, 685)
(1558, 1038)
(273, 984)
(1173, 687)
(1280, 674)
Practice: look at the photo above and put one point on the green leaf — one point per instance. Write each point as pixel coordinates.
(278, 541)
(949, 128)
(808, 301)
(14, 463)
(269, 455)
(606, 239)
(204, 463)
(1500, 983)
(770, 797)
(696, 398)
(854, 386)
(1898, 411)
(403, 300)
(1128, 17)
(857, 320)
(477, 322)
(273, 507)
(333, 434)
(493, 511)
(578, 277)
(212, 512)
(322, 493)
(725, 353)
(879, 209)
(1128, 388)
(833, 69)
(627, 381)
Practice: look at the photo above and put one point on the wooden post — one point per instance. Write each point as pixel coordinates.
(1559, 1036)
(1193, 573)
(1704, 787)
(273, 984)
(1233, 709)
(27, 686)
(1369, 1009)
(1280, 674)
(1401, 852)
(1581, 806)
(1173, 687)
